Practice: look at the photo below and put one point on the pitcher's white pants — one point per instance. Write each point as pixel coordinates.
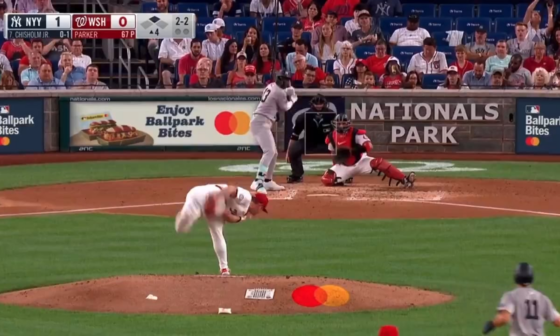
(191, 212)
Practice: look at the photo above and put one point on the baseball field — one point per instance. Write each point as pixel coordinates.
(83, 245)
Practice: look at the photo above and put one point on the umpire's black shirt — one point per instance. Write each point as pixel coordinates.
(319, 124)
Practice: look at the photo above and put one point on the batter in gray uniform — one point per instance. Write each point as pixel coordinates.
(526, 308)
(277, 97)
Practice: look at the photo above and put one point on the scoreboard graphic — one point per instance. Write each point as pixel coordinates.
(100, 26)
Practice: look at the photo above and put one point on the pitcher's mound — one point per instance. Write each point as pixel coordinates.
(206, 294)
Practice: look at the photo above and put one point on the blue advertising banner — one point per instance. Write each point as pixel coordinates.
(336, 104)
(21, 126)
(537, 126)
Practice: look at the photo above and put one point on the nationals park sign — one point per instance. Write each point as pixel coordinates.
(423, 123)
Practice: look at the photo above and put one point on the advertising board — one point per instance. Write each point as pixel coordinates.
(21, 126)
(537, 126)
(193, 124)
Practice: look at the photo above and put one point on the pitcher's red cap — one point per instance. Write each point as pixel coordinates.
(388, 331)
(262, 199)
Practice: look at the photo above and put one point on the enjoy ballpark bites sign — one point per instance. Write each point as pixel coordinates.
(113, 124)
(424, 123)
(538, 126)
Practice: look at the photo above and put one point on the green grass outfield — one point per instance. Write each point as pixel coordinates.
(472, 259)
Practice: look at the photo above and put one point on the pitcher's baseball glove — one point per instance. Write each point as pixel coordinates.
(342, 155)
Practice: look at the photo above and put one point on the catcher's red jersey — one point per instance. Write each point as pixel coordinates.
(351, 139)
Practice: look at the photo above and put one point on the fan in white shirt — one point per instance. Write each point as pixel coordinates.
(346, 61)
(264, 8)
(213, 46)
(170, 51)
(411, 35)
(429, 61)
(79, 59)
(327, 48)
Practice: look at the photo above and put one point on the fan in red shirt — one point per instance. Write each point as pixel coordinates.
(462, 64)
(344, 8)
(376, 63)
(313, 19)
(350, 147)
(540, 60)
(303, 69)
(187, 63)
(393, 78)
(14, 49)
(263, 62)
(294, 7)
(203, 62)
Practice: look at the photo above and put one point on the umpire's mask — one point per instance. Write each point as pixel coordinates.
(318, 103)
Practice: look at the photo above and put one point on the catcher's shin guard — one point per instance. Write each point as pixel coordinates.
(393, 173)
(330, 179)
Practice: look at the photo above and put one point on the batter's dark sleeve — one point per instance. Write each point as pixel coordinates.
(298, 127)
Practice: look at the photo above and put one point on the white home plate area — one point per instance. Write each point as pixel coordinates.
(361, 192)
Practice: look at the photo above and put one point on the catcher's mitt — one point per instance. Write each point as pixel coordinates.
(342, 155)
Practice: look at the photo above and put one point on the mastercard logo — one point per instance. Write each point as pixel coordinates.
(532, 141)
(4, 141)
(315, 296)
(228, 123)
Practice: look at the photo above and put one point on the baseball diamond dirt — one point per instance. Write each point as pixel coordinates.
(368, 197)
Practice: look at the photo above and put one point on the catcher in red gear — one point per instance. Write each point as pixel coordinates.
(350, 146)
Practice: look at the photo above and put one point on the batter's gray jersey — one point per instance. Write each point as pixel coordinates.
(273, 100)
(529, 310)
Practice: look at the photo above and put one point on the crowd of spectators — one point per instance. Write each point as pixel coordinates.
(328, 44)
(346, 45)
(44, 64)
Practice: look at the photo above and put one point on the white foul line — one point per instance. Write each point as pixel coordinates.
(89, 210)
(290, 197)
(487, 208)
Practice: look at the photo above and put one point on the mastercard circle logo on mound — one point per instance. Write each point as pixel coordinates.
(532, 141)
(4, 141)
(228, 123)
(315, 296)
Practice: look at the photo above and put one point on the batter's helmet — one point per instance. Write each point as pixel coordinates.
(524, 274)
(282, 79)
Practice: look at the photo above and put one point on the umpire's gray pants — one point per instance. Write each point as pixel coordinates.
(261, 128)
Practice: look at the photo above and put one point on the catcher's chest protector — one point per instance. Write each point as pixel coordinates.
(348, 140)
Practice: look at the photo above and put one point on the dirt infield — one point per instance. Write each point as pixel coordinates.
(206, 294)
(368, 197)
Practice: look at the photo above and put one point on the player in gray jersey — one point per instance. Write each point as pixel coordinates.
(525, 307)
(277, 97)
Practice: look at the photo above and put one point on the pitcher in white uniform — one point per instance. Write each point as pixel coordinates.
(277, 97)
(237, 205)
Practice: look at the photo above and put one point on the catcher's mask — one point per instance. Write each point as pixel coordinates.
(341, 123)
(524, 274)
(282, 79)
(318, 102)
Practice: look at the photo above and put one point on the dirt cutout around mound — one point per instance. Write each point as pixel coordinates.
(206, 294)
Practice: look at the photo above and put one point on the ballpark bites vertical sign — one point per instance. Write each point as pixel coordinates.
(21, 126)
(538, 126)
(112, 125)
